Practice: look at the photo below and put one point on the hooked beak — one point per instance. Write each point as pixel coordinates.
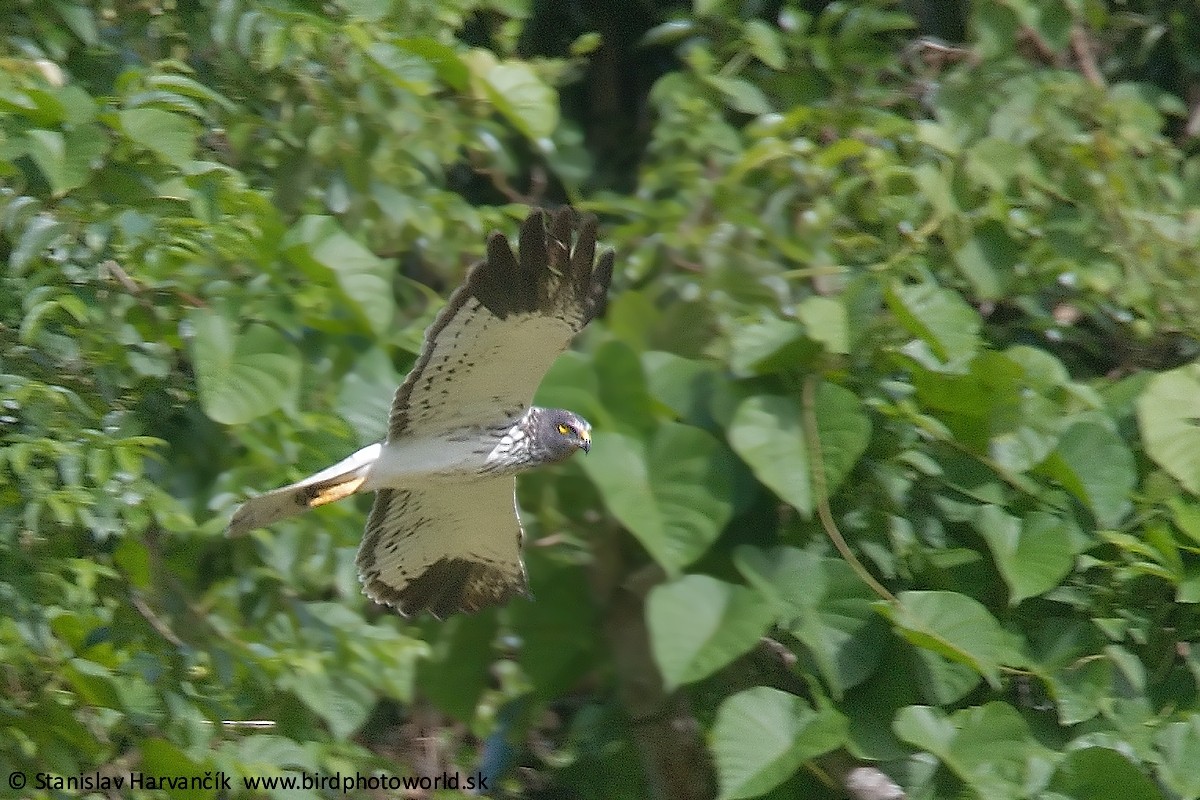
(586, 438)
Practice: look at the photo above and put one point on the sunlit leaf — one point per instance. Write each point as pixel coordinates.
(699, 624)
(241, 374)
(171, 136)
(1170, 425)
(674, 492)
(762, 735)
(956, 627)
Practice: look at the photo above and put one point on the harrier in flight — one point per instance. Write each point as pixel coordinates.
(443, 534)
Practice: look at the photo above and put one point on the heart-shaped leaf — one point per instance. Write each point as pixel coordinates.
(1169, 419)
(674, 493)
(767, 432)
(1033, 555)
(824, 604)
(243, 375)
(761, 737)
(699, 624)
(318, 245)
(957, 627)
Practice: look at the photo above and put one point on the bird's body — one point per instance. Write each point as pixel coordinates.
(443, 535)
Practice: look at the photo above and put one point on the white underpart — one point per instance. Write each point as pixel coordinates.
(411, 462)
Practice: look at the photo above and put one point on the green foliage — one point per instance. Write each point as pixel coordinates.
(894, 404)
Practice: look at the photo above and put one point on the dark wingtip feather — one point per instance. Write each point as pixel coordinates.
(449, 586)
(601, 278)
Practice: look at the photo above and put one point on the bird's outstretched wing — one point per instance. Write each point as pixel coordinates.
(488, 349)
(444, 547)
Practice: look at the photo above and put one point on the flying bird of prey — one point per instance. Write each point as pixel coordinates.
(443, 534)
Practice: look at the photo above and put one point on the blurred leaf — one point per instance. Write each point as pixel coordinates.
(673, 492)
(741, 95)
(241, 375)
(320, 246)
(699, 624)
(170, 136)
(937, 316)
(365, 397)
(767, 433)
(1033, 554)
(1167, 418)
(824, 604)
(521, 96)
(988, 747)
(456, 674)
(1099, 773)
(957, 627)
(762, 736)
(622, 387)
(764, 43)
(826, 322)
(41, 231)
(1093, 464)
(774, 345)
(66, 160)
(1179, 742)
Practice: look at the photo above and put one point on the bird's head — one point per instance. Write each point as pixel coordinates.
(562, 432)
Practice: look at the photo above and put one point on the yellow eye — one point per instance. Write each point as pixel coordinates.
(563, 429)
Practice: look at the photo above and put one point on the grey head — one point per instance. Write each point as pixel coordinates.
(554, 434)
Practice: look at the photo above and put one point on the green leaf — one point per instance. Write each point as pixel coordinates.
(826, 322)
(957, 627)
(843, 429)
(988, 258)
(766, 431)
(1098, 773)
(939, 317)
(774, 345)
(244, 375)
(622, 387)
(704, 8)
(445, 60)
(521, 96)
(364, 398)
(405, 69)
(989, 747)
(561, 640)
(341, 701)
(1096, 466)
(674, 493)
(318, 245)
(762, 736)
(66, 160)
(456, 674)
(1033, 553)
(1179, 745)
(571, 382)
(764, 43)
(740, 94)
(79, 18)
(824, 604)
(681, 384)
(1169, 420)
(170, 136)
(162, 758)
(40, 232)
(699, 624)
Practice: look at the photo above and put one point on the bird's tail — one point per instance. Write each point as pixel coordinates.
(341, 480)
